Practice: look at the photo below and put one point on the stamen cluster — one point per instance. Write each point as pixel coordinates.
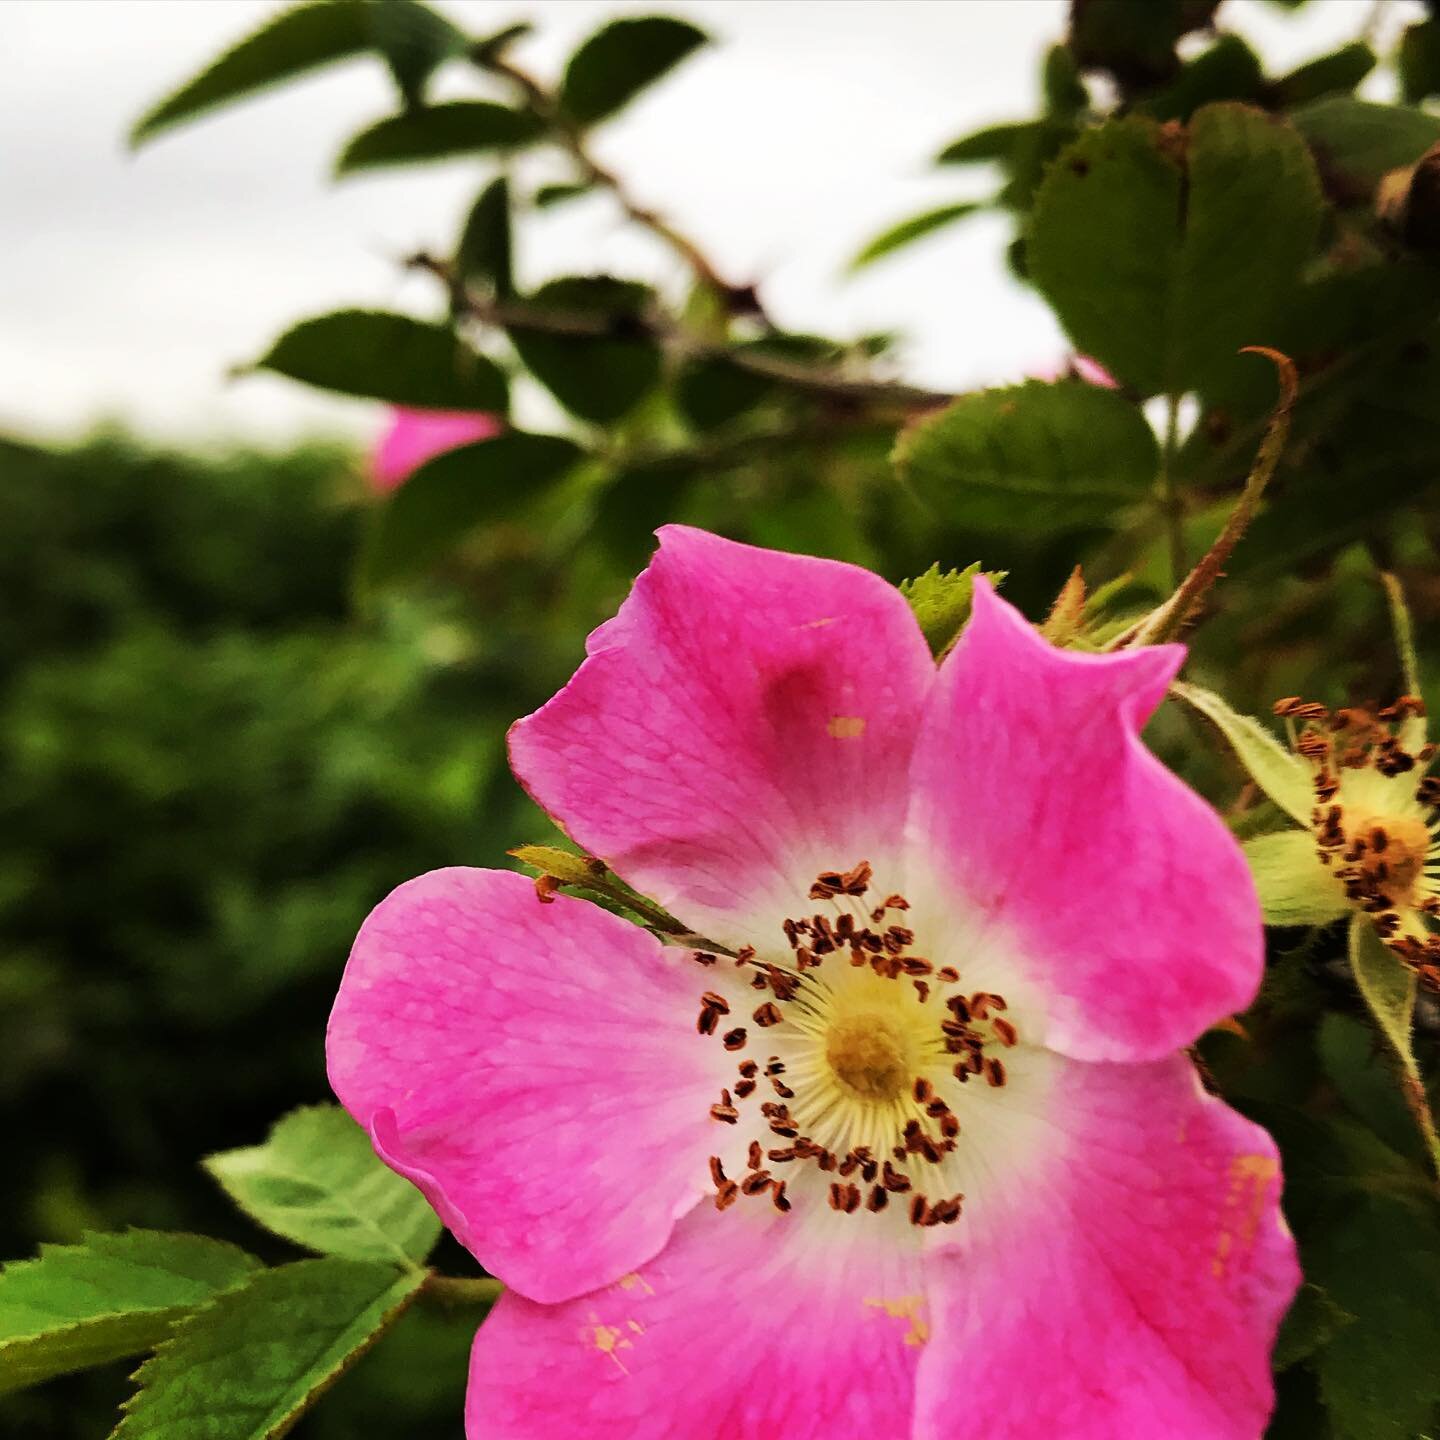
(1374, 829)
(879, 1092)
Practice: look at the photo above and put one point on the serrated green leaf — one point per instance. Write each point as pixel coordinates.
(415, 41)
(1294, 888)
(994, 142)
(1061, 82)
(1378, 1377)
(1313, 1321)
(1215, 273)
(296, 40)
(1340, 71)
(908, 231)
(599, 379)
(109, 1297)
(383, 356)
(446, 497)
(548, 196)
(317, 1181)
(439, 132)
(622, 59)
(1418, 60)
(486, 248)
(1228, 70)
(248, 1365)
(1357, 141)
(1048, 456)
(1279, 772)
(941, 602)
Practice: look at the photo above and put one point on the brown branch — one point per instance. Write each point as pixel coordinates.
(738, 299)
(823, 382)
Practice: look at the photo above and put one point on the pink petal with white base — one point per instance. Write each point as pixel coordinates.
(1116, 891)
(750, 1325)
(1134, 1287)
(534, 1069)
(744, 722)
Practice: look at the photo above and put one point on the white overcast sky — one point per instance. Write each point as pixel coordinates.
(130, 283)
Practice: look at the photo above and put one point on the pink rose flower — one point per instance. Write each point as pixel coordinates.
(924, 1158)
(415, 436)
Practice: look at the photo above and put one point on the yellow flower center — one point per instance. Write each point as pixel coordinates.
(1393, 856)
(870, 1057)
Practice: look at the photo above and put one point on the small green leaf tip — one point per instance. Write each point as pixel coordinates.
(941, 602)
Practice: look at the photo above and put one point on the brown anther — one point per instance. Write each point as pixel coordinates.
(749, 1069)
(947, 974)
(922, 1089)
(783, 1091)
(753, 1184)
(702, 957)
(962, 1072)
(707, 1021)
(778, 1198)
(949, 1126)
(852, 1199)
(774, 1066)
(717, 1170)
(744, 954)
(767, 1015)
(837, 1195)
(879, 1198)
(782, 1157)
(826, 1161)
(896, 902)
(1005, 1032)
(754, 1155)
(728, 1113)
(734, 1039)
(995, 1073)
(727, 1195)
(744, 1089)
(892, 1179)
(919, 1209)
(922, 989)
(1427, 792)
(712, 1001)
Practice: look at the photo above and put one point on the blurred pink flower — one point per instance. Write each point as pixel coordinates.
(1093, 373)
(416, 436)
(1082, 367)
(920, 1153)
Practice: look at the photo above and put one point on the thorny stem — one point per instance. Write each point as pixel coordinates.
(1170, 618)
(821, 381)
(738, 299)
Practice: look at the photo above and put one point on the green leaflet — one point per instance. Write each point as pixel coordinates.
(317, 1181)
(247, 1366)
(106, 1298)
(1280, 773)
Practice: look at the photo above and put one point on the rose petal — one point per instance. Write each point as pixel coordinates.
(1112, 888)
(415, 436)
(1135, 1285)
(534, 1069)
(745, 722)
(750, 1324)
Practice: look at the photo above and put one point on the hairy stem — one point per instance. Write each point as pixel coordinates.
(1171, 618)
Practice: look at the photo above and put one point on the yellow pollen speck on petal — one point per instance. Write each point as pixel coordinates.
(846, 727)
(634, 1281)
(910, 1308)
(607, 1339)
(1250, 1179)
(869, 1058)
